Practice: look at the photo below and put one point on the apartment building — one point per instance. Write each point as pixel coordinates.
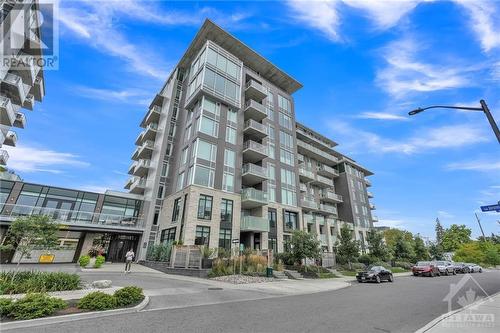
(112, 220)
(221, 160)
(21, 76)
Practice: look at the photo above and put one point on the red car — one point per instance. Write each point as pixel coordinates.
(428, 268)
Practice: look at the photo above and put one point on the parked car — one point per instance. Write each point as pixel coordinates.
(474, 268)
(461, 267)
(445, 267)
(427, 268)
(375, 274)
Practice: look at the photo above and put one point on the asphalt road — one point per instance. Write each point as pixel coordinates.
(403, 306)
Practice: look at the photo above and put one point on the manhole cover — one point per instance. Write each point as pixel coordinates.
(214, 288)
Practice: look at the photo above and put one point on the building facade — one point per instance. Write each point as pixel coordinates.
(21, 76)
(221, 160)
(111, 220)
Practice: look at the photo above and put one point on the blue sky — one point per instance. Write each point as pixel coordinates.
(363, 65)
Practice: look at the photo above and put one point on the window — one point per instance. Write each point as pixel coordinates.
(177, 209)
(272, 217)
(271, 192)
(160, 191)
(167, 235)
(286, 140)
(287, 157)
(225, 239)
(284, 104)
(206, 150)
(272, 135)
(180, 181)
(210, 106)
(203, 176)
(221, 85)
(271, 171)
(209, 126)
(202, 236)
(184, 155)
(272, 244)
(271, 151)
(231, 135)
(226, 210)
(187, 134)
(164, 170)
(205, 207)
(288, 177)
(229, 158)
(289, 220)
(288, 197)
(232, 115)
(228, 182)
(285, 121)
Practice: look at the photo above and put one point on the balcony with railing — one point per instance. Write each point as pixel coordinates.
(254, 110)
(142, 167)
(252, 174)
(326, 171)
(308, 137)
(305, 174)
(138, 185)
(308, 202)
(318, 154)
(4, 157)
(255, 129)
(13, 86)
(372, 207)
(7, 113)
(308, 218)
(252, 198)
(144, 151)
(39, 88)
(374, 218)
(152, 116)
(254, 90)
(370, 194)
(302, 187)
(10, 139)
(254, 223)
(149, 132)
(368, 183)
(322, 181)
(253, 151)
(9, 212)
(25, 65)
(29, 102)
(330, 196)
(20, 121)
(328, 209)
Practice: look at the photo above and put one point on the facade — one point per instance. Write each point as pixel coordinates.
(221, 159)
(21, 78)
(113, 220)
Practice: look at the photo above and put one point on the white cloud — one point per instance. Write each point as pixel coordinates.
(390, 223)
(133, 96)
(426, 139)
(484, 22)
(444, 214)
(381, 116)
(481, 165)
(405, 72)
(33, 159)
(385, 14)
(320, 14)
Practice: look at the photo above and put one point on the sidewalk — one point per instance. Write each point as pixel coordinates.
(478, 317)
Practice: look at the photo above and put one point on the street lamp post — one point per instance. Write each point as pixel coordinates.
(483, 108)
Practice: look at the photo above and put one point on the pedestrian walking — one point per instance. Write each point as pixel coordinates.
(129, 256)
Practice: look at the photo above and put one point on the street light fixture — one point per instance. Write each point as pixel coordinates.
(483, 108)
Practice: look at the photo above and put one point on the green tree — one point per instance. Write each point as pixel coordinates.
(28, 233)
(304, 245)
(347, 248)
(436, 251)
(402, 249)
(455, 236)
(469, 252)
(376, 245)
(421, 252)
(439, 233)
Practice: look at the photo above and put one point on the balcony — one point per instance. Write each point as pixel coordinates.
(311, 139)
(254, 223)
(322, 181)
(308, 202)
(141, 168)
(253, 151)
(131, 169)
(29, 102)
(73, 217)
(7, 113)
(255, 91)
(308, 218)
(303, 187)
(39, 89)
(26, 67)
(331, 196)
(129, 183)
(254, 110)
(318, 154)
(144, 151)
(255, 129)
(13, 86)
(374, 218)
(152, 116)
(138, 185)
(10, 139)
(20, 121)
(4, 157)
(370, 194)
(305, 174)
(252, 198)
(372, 207)
(149, 132)
(327, 171)
(368, 183)
(252, 174)
(332, 210)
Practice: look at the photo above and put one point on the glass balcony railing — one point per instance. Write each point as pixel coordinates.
(254, 169)
(249, 144)
(253, 194)
(306, 173)
(250, 123)
(72, 217)
(254, 223)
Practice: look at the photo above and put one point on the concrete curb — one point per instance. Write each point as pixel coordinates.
(437, 320)
(72, 317)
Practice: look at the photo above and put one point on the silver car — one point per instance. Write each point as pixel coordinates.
(446, 267)
(474, 268)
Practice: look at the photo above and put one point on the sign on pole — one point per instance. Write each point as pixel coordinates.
(491, 208)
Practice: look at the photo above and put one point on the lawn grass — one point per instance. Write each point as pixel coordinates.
(399, 270)
(328, 276)
(348, 273)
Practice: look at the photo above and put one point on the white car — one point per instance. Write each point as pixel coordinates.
(445, 267)
(474, 268)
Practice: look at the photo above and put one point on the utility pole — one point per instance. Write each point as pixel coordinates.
(487, 112)
(479, 222)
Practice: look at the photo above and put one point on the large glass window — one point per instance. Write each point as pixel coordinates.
(209, 126)
(177, 209)
(290, 220)
(203, 176)
(205, 207)
(225, 239)
(221, 85)
(272, 217)
(202, 236)
(287, 157)
(288, 197)
(180, 181)
(288, 177)
(167, 235)
(284, 104)
(229, 158)
(286, 140)
(5, 188)
(206, 150)
(231, 135)
(232, 115)
(228, 182)
(285, 121)
(226, 210)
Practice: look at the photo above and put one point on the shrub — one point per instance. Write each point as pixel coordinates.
(84, 261)
(159, 252)
(35, 306)
(97, 301)
(128, 296)
(285, 257)
(381, 263)
(358, 266)
(95, 251)
(99, 260)
(35, 282)
(221, 267)
(366, 259)
(5, 306)
(403, 264)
